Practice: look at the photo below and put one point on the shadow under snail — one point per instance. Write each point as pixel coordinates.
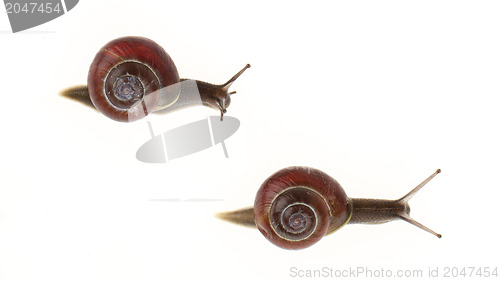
(296, 206)
(133, 76)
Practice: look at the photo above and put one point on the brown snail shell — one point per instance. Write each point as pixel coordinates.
(125, 76)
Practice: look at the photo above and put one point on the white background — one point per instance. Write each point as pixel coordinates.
(378, 94)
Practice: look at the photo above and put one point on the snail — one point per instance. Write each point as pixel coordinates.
(133, 76)
(296, 206)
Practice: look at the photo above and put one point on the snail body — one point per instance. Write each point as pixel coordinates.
(133, 76)
(296, 206)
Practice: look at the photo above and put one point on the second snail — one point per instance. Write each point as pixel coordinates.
(133, 76)
(296, 206)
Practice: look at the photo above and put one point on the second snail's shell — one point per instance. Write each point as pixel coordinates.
(125, 77)
(297, 206)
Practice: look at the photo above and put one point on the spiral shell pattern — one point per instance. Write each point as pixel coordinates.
(126, 75)
(297, 206)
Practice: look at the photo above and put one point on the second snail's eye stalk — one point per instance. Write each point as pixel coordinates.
(404, 200)
(382, 210)
(407, 218)
(410, 194)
